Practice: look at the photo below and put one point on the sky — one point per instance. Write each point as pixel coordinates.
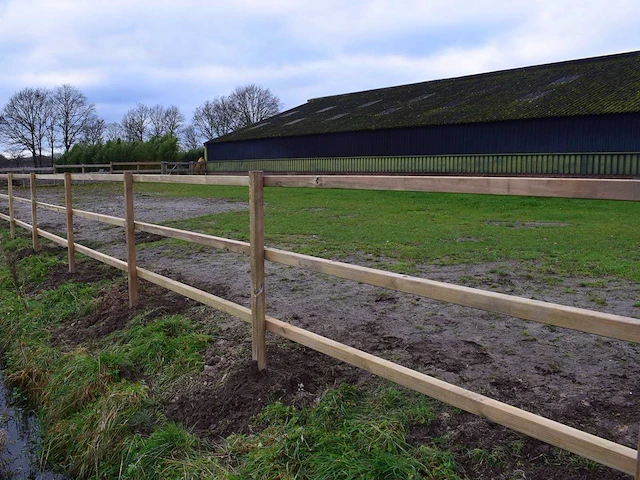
(121, 52)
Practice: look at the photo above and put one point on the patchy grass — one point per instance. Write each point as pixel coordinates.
(101, 412)
(565, 237)
(348, 435)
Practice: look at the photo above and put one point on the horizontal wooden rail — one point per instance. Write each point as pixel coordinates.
(101, 257)
(539, 187)
(236, 180)
(5, 217)
(86, 165)
(50, 206)
(54, 238)
(200, 238)
(603, 189)
(84, 214)
(134, 164)
(605, 324)
(22, 200)
(590, 446)
(99, 217)
(87, 177)
(228, 180)
(24, 225)
(218, 303)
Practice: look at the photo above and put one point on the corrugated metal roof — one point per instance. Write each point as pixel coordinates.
(590, 86)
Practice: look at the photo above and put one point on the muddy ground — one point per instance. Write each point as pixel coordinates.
(582, 380)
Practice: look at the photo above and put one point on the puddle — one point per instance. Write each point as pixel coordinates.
(19, 442)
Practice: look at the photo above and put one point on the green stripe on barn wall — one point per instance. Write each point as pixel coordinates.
(623, 164)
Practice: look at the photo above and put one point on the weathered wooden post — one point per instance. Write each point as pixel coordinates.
(163, 170)
(131, 239)
(637, 477)
(12, 222)
(256, 235)
(71, 247)
(34, 212)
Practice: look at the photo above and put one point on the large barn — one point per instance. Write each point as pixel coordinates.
(586, 106)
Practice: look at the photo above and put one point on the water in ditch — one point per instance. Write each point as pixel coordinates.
(20, 442)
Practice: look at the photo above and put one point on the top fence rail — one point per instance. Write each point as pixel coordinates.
(603, 189)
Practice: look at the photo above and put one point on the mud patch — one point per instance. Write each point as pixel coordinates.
(85, 273)
(146, 237)
(504, 223)
(115, 314)
(222, 400)
(52, 250)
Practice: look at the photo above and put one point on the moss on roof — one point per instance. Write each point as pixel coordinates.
(589, 86)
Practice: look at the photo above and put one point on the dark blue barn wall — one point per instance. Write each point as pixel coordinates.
(601, 133)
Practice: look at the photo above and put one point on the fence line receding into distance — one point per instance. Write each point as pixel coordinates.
(603, 451)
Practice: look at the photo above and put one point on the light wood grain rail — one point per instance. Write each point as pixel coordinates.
(539, 187)
(605, 324)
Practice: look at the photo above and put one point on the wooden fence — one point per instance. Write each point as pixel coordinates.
(603, 451)
(610, 164)
(164, 168)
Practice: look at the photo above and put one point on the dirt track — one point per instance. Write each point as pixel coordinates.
(585, 381)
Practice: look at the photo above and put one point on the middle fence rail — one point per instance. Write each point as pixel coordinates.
(595, 448)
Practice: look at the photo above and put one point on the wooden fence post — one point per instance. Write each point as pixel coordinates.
(34, 212)
(12, 222)
(131, 239)
(110, 167)
(163, 170)
(637, 477)
(71, 246)
(256, 219)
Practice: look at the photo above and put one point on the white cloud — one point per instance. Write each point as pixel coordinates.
(182, 53)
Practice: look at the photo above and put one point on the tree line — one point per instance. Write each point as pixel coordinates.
(40, 122)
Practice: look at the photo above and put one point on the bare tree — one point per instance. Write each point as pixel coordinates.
(190, 138)
(93, 133)
(243, 107)
(252, 104)
(113, 131)
(135, 123)
(156, 121)
(214, 119)
(23, 123)
(73, 112)
(52, 127)
(165, 121)
(173, 120)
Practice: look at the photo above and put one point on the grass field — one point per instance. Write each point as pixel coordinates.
(400, 230)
